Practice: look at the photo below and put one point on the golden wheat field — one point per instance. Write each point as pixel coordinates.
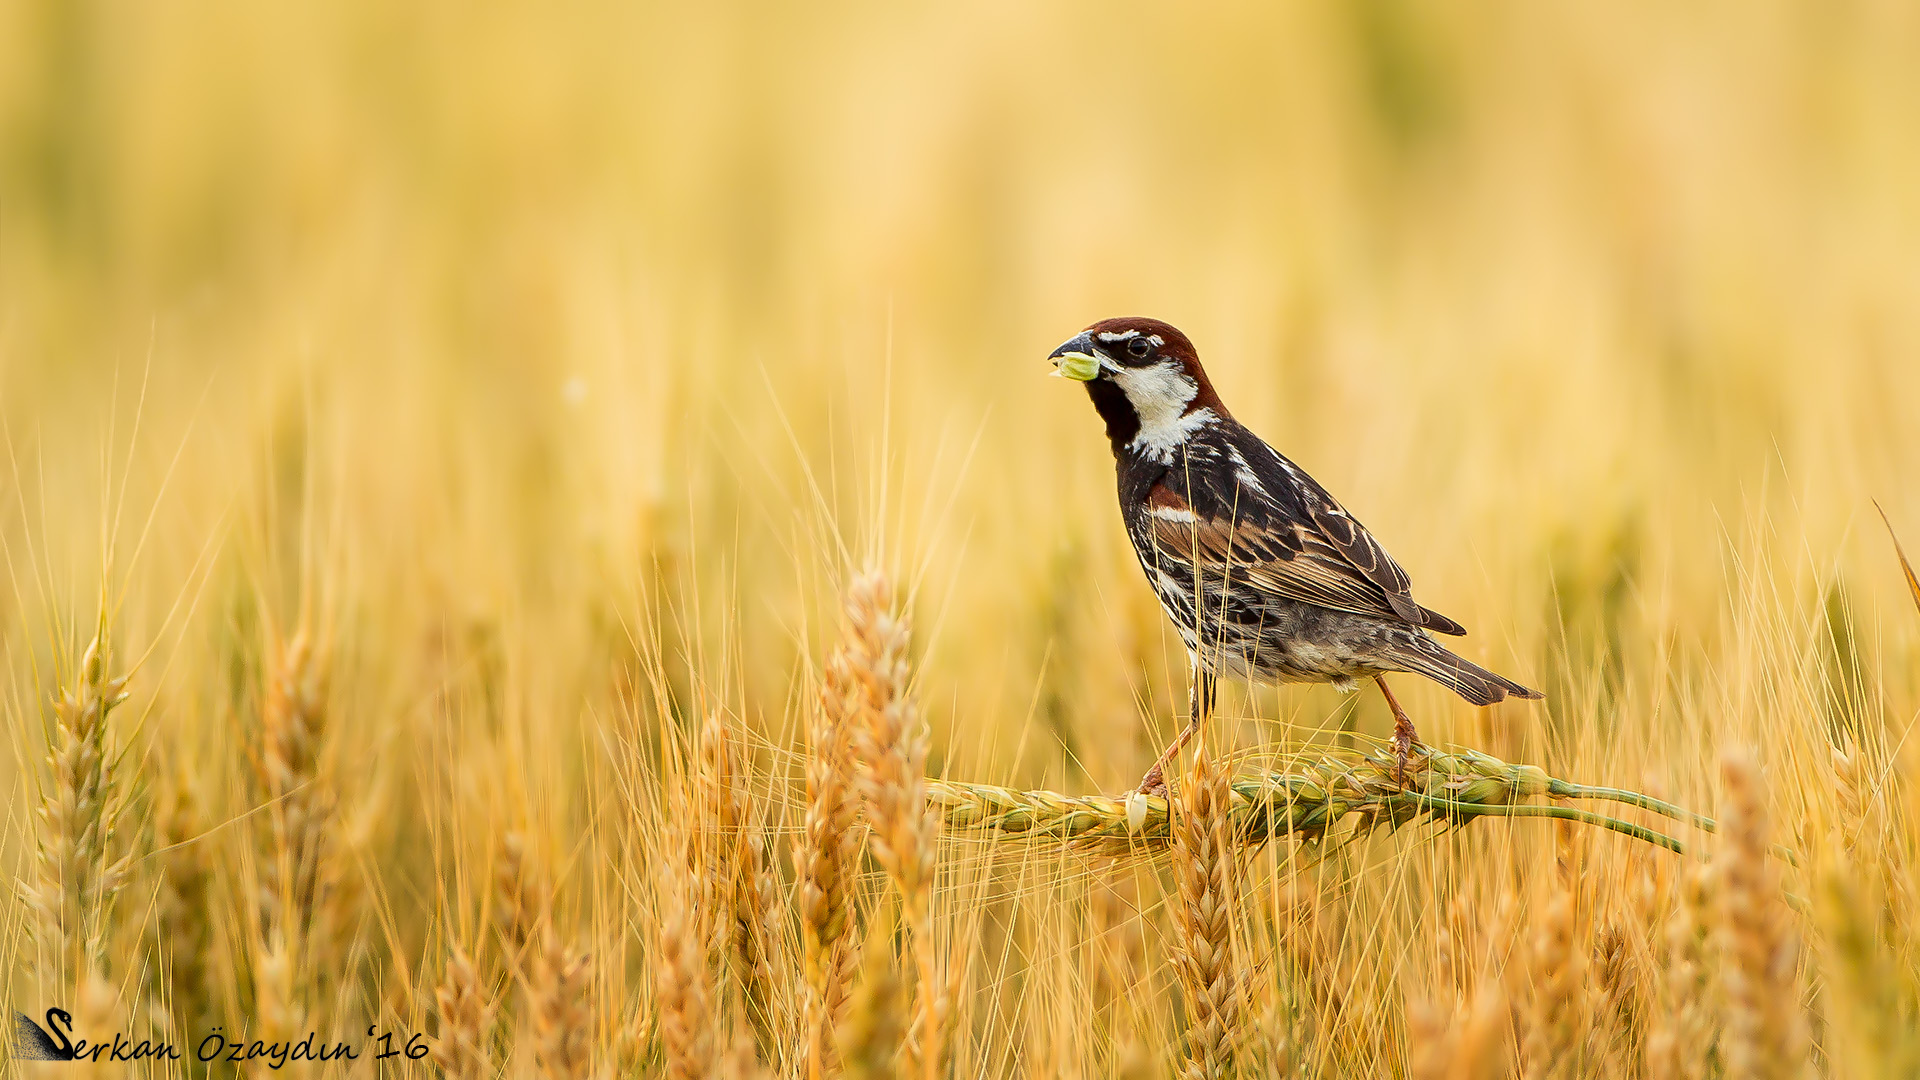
(538, 542)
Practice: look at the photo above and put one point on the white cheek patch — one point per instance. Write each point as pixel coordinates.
(1160, 395)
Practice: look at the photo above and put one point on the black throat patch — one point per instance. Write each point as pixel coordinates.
(1111, 403)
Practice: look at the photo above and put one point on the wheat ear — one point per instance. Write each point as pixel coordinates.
(293, 723)
(522, 899)
(682, 989)
(1203, 920)
(1304, 795)
(1680, 1033)
(1459, 1044)
(78, 871)
(277, 1004)
(825, 865)
(1552, 1013)
(561, 1017)
(97, 1009)
(1766, 1034)
(748, 885)
(892, 741)
(465, 1017)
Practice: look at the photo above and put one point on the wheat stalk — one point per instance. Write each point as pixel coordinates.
(1203, 956)
(892, 743)
(78, 871)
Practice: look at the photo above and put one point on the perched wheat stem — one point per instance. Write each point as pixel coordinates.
(1203, 920)
(465, 1017)
(892, 743)
(1305, 795)
(79, 870)
(1766, 1034)
(824, 864)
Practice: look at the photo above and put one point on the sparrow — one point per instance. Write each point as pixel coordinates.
(1264, 574)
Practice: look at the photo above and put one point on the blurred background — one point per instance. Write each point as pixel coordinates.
(523, 320)
(552, 364)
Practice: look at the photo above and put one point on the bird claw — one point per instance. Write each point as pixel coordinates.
(1404, 742)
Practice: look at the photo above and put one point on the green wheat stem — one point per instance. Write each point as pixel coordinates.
(1564, 790)
(1563, 813)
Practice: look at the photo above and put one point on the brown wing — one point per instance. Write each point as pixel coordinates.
(1319, 557)
(1341, 530)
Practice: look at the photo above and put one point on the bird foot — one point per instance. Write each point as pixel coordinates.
(1405, 742)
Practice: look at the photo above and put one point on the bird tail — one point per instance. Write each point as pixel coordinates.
(1463, 677)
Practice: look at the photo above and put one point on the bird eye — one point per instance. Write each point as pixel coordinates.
(1139, 347)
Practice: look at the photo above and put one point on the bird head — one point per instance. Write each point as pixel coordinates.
(1145, 379)
(1111, 348)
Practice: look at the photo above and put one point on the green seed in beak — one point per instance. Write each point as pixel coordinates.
(1079, 366)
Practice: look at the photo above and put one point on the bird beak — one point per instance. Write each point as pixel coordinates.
(1078, 359)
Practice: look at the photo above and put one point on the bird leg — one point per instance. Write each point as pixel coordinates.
(1405, 738)
(1199, 707)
